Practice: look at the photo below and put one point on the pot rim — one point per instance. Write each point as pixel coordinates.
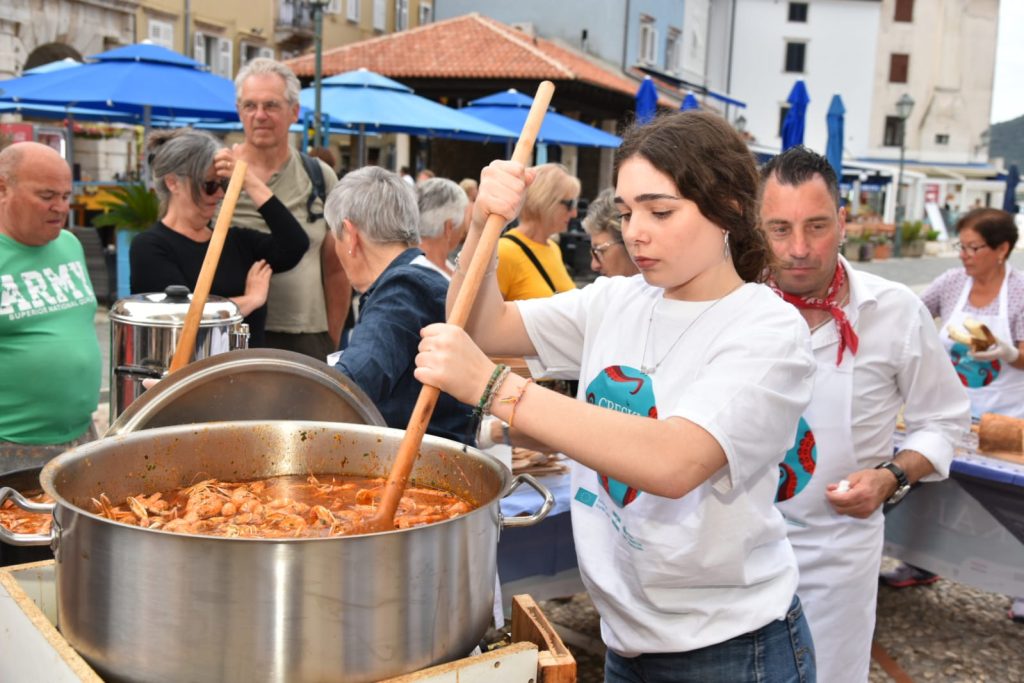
(53, 468)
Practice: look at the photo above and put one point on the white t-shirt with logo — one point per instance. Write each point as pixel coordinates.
(673, 575)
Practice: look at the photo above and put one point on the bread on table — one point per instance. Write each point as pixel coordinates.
(1001, 433)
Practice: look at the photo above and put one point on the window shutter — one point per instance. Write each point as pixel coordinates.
(199, 48)
(380, 15)
(224, 57)
(899, 68)
(353, 10)
(266, 52)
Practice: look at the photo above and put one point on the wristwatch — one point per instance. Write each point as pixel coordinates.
(902, 483)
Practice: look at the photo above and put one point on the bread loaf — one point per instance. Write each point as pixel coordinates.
(1001, 433)
(977, 336)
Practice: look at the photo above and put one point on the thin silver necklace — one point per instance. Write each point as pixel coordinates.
(651, 369)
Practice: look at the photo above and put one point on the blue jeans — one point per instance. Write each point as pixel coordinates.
(781, 652)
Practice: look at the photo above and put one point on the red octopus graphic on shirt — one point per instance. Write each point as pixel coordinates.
(627, 390)
(797, 468)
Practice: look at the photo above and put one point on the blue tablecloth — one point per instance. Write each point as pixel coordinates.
(969, 528)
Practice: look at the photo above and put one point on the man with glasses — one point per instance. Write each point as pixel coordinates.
(307, 306)
(876, 349)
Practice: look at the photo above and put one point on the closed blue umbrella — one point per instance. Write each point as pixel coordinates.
(689, 102)
(1010, 195)
(834, 146)
(793, 124)
(138, 79)
(509, 109)
(646, 101)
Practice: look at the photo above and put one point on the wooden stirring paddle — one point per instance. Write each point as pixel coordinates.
(187, 341)
(383, 520)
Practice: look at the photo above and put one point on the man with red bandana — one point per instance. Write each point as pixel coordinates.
(876, 349)
(50, 381)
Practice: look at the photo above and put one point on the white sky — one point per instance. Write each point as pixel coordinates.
(1008, 90)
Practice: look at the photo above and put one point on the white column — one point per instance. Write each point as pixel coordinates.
(401, 151)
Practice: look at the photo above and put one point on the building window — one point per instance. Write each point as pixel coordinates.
(904, 11)
(214, 52)
(648, 41)
(674, 50)
(161, 33)
(426, 12)
(380, 15)
(892, 131)
(333, 7)
(795, 53)
(353, 10)
(401, 15)
(798, 12)
(783, 110)
(899, 66)
(248, 52)
(941, 139)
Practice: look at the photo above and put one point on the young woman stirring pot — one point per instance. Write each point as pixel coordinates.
(692, 380)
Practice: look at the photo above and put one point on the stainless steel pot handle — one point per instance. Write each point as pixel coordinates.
(539, 515)
(11, 538)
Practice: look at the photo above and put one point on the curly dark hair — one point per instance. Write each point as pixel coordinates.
(994, 225)
(711, 166)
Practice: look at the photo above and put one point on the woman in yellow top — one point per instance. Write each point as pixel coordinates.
(529, 262)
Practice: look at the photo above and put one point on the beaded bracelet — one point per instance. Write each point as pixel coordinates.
(494, 388)
(514, 400)
(486, 397)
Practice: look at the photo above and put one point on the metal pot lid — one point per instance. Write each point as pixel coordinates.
(169, 307)
(250, 384)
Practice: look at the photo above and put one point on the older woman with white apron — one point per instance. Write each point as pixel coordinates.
(987, 290)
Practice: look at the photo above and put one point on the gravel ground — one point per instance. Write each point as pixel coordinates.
(943, 632)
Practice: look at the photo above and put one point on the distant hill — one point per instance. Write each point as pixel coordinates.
(1007, 141)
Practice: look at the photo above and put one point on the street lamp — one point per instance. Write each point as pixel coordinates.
(317, 6)
(903, 108)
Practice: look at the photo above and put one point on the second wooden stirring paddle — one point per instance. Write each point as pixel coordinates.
(383, 520)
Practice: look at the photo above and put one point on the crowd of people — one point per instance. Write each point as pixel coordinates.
(724, 319)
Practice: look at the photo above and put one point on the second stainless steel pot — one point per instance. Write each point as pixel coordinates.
(143, 605)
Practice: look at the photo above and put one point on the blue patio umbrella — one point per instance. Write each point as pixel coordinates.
(65, 63)
(1010, 195)
(646, 101)
(509, 109)
(793, 124)
(834, 146)
(366, 100)
(138, 79)
(689, 102)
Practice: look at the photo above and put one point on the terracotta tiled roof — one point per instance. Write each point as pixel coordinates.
(469, 47)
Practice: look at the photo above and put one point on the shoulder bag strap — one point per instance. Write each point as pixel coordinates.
(533, 259)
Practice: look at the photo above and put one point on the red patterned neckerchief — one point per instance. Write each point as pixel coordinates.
(847, 337)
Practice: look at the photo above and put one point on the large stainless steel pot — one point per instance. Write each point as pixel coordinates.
(143, 605)
(144, 332)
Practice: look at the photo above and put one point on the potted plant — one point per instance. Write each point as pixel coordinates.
(883, 247)
(911, 233)
(133, 208)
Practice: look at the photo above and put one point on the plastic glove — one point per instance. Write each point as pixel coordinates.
(1001, 351)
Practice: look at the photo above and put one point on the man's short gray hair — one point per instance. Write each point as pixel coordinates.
(263, 65)
(440, 200)
(378, 202)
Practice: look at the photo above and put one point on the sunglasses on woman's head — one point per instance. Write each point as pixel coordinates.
(569, 204)
(210, 187)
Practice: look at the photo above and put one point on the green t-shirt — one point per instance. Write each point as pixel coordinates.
(49, 355)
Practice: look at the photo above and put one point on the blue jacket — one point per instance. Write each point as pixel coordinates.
(381, 352)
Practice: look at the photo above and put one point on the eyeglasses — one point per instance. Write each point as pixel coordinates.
(569, 204)
(597, 251)
(971, 249)
(269, 107)
(210, 187)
